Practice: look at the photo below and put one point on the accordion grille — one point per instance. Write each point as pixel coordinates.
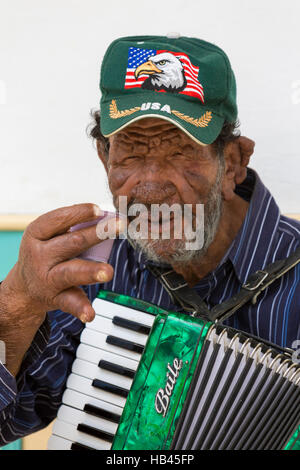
(244, 396)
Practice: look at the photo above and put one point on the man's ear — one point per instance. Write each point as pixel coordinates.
(237, 154)
(102, 153)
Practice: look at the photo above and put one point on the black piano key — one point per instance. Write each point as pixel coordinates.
(124, 344)
(115, 389)
(101, 413)
(91, 431)
(77, 446)
(116, 368)
(131, 325)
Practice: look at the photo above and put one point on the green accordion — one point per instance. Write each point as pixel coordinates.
(161, 383)
(205, 386)
(148, 379)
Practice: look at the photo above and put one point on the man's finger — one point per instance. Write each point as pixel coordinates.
(60, 220)
(72, 244)
(75, 302)
(78, 272)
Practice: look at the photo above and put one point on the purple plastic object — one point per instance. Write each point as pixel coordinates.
(101, 251)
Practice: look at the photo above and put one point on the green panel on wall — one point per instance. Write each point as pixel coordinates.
(9, 249)
(17, 445)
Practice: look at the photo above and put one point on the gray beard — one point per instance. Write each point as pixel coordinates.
(212, 211)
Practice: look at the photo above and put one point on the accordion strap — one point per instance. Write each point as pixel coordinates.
(256, 283)
(180, 292)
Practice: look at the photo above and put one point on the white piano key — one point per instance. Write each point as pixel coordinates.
(84, 385)
(73, 416)
(94, 355)
(105, 325)
(58, 443)
(79, 390)
(91, 371)
(79, 400)
(70, 432)
(98, 340)
(110, 310)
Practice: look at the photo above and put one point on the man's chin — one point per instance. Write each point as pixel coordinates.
(165, 251)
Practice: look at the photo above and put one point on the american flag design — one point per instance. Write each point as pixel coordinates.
(157, 62)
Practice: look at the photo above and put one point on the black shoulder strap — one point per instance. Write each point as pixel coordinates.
(190, 301)
(255, 285)
(180, 293)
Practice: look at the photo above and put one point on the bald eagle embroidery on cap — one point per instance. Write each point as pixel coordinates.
(163, 71)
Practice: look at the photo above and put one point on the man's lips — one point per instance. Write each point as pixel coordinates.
(147, 218)
(161, 226)
(157, 225)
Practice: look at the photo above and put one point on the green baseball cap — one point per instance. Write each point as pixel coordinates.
(186, 81)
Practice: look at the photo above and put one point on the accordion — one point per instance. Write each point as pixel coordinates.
(146, 378)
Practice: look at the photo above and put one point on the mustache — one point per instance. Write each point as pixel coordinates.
(152, 192)
(146, 207)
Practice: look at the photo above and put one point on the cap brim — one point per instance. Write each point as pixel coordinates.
(196, 120)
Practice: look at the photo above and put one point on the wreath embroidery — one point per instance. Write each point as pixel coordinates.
(202, 121)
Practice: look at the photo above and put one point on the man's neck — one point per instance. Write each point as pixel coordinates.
(232, 218)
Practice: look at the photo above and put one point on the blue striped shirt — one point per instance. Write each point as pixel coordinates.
(31, 401)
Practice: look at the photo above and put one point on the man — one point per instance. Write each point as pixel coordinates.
(167, 135)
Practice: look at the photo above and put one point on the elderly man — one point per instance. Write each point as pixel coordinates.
(167, 135)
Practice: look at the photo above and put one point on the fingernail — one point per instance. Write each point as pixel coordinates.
(97, 211)
(83, 317)
(101, 276)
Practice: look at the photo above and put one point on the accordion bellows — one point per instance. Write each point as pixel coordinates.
(206, 386)
(245, 396)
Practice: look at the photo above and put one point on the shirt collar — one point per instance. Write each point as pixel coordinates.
(252, 247)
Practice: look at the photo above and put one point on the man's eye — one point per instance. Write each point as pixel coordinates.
(177, 155)
(181, 156)
(132, 157)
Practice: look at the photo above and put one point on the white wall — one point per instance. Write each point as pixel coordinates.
(50, 55)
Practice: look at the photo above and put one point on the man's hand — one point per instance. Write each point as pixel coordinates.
(47, 274)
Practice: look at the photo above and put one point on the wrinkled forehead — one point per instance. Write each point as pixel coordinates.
(150, 128)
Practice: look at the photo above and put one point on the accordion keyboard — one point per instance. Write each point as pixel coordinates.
(106, 361)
